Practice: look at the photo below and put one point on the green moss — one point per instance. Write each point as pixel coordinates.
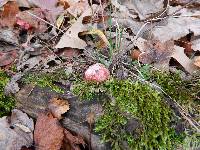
(87, 90)
(132, 100)
(46, 80)
(6, 102)
(185, 92)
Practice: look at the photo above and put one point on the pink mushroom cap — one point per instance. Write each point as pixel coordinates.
(97, 73)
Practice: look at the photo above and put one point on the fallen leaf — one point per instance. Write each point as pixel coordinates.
(12, 86)
(30, 63)
(125, 10)
(144, 8)
(135, 54)
(157, 53)
(70, 37)
(7, 15)
(50, 8)
(179, 26)
(197, 61)
(64, 4)
(184, 2)
(9, 36)
(91, 118)
(7, 57)
(27, 21)
(187, 63)
(97, 73)
(99, 33)
(23, 3)
(68, 53)
(3, 2)
(186, 44)
(16, 137)
(21, 120)
(77, 7)
(60, 20)
(48, 133)
(58, 107)
(74, 141)
(196, 45)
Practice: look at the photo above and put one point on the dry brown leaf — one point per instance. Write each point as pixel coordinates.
(3, 2)
(197, 61)
(21, 120)
(48, 133)
(7, 57)
(184, 2)
(23, 3)
(68, 53)
(135, 53)
(70, 38)
(187, 63)
(73, 141)
(178, 27)
(157, 52)
(49, 7)
(8, 14)
(33, 22)
(196, 45)
(144, 8)
(91, 118)
(19, 135)
(77, 7)
(58, 107)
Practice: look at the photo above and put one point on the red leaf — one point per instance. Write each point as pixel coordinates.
(74, 141)
(27, 21)
(48, 133)
(7, 58)
(7, 16)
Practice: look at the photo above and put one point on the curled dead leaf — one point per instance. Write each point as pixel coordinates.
(21, 133)
(58, 107)
(73, 141)
(71, 37)
(135, 54)
(197, 61)
(91, 118)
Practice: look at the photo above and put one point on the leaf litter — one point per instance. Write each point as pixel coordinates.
(41, 35)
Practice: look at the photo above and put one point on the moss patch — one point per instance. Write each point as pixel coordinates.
(46, 79)
(6, 102)
(186, 93)
(129, 100)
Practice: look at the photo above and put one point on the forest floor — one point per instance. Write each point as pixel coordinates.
(100, 75)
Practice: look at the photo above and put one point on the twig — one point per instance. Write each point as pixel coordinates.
(172, 14)
(156, 18)
(45, 21)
